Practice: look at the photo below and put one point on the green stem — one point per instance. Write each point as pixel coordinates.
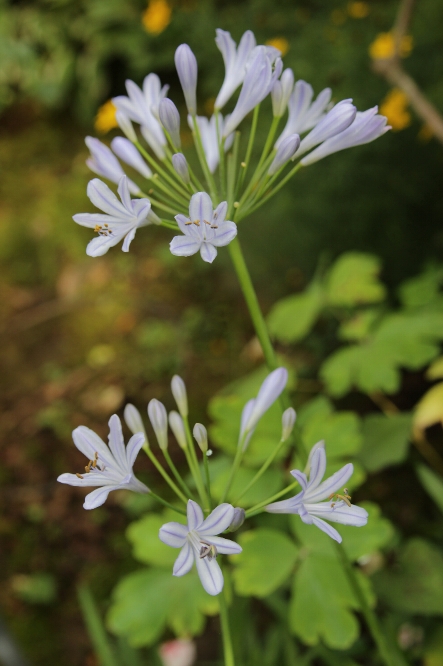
(221, 150)
(169, 225)
(160, 170)
(194, 466)
(226, 631)
(258, 508)
(202, 159)
(272, 192)
(232, 173)
(208, 479)
(164, 474)
(261, 471)
(233, 472)
(249, 148)
(176, 473)
(167, 504)
(390, 655)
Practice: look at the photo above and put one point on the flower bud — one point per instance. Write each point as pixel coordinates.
(159, 421)
(285, 152)
(178, 389)
(186, 64)
(269, 391)
(201, 436)
(134, 421)
(178, 428)
(170, 119)
(127, 152)
(238, 520)
(281, 93)
(287, 423)
(319, 445)
(339, 118)
(126, 126)
(181, 167)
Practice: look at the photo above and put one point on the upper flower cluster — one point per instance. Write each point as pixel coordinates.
(314, 128)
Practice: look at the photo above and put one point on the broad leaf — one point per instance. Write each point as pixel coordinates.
(385, 440)
(292, 317)
(147, 547)
(267, 559)
(353, 280)
(432, 483)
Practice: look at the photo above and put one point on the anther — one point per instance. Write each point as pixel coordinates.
(243, 164)
(236, 204)
(79, 475)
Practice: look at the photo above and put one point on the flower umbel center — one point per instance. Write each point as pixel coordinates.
(92, 464)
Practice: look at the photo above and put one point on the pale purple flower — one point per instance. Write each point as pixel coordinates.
(104, 163)
(134, 420)
(187, 69)
(110, 467)
(367, 126)
(170, 119)
(238, 520)
(199, 544)
(335, 121)
(254, 409)
(178, 388)
(159, 421)
(120, 219)
(128, 153)
(281, 92)
(181, 167)
(287, 422)
(178, 428)
(126, 126)
(201, 436)
(210, 138)
(285, 152)
(204, 230)
(310, 503)
(304, 114)
(143, 108)
(235, 60)
(258, 82)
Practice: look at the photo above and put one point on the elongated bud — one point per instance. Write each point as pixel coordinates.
(238, 520)
(281, 93)
(178, 428)
(126, 126)
(178, 389)
(319, 445)
(181, 166)
(287, 423)
(269, 391)
(159, 420)
(335, 121)
(170, 119)
(134, 421)
(201, 436)
(285, 152)
(187, 69)
(127, 152)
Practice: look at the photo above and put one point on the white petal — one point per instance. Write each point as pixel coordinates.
(92, 219)
(116, 443)
(220, 212)
(99, 496)
(183, 246)
(269, 391)
(208, 252)
(195, 515)
(173, 534)
(200, 207)
(328, 529)
(74, 480)
(224, 546)
(123, 191)
(185, 560)
(331, 485)
(218, 521)
(99, 246)
(301, 478)
(225, 234)
(134, 445)
(89, 443)
(318, 468)
(291, 505)
(210, 575)
(128, 239)
(102, 197)
(340, 513)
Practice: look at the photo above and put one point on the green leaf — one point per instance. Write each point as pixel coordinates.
(408, 340)
(269, 483)
(359, 326)
(385, 440)
(225, 410)
(435, 370)
(415, 584)
(360, 541)
(147, 547)
(432, 483)
(424, 289)
(292, 317)
(266, 561)
(147, 601)
(340, 431)
(353, 280)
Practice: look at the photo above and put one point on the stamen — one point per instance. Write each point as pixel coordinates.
(79, 475)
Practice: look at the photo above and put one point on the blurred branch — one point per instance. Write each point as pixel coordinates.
(392, 70)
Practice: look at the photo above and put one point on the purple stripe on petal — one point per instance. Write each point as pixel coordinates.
(116, 442)
(224, 234)
(224, 546)
(208, 252)
(301, 478)
(185, 560)
(218, 521)
(184, 246)
(291, 505)
(331, 485)
(173, 534)
(195, 515)
(352, 515)
(210, 575)
(318, 468)
(134, 445)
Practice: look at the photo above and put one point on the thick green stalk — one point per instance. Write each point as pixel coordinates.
(272, 192)
(167, 504)
(226, 631)
(169, 225)
(258, 508)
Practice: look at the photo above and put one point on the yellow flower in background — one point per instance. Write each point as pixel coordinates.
(358, 10)
(280, 43)
(383, 46)
(105, 119)
(394, 107)
(157, 16)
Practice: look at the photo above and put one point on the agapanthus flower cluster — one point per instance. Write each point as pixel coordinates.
(110, 467)
(205, 203)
